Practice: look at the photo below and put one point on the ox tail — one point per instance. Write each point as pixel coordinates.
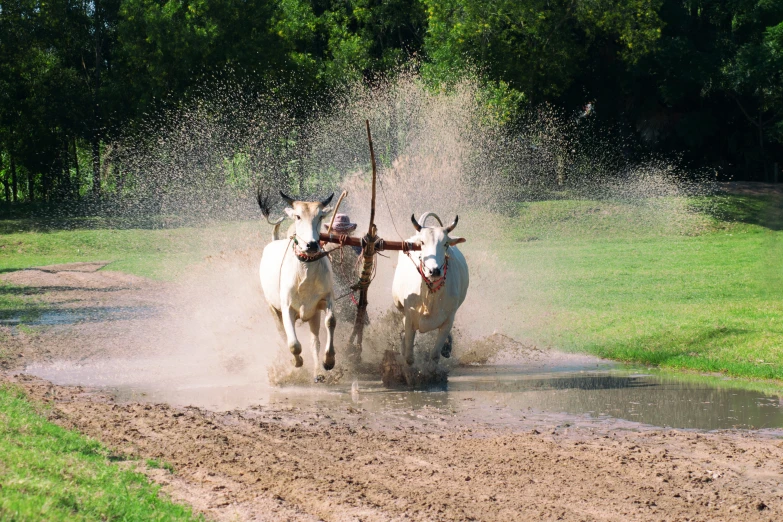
(264, 203)
(423, 218)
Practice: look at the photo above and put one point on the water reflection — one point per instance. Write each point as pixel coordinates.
(655, 399)
(500, 396)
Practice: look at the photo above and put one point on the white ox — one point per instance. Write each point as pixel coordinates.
(296, 277)
(430, 285)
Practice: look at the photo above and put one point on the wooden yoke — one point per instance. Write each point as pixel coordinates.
(380, 243)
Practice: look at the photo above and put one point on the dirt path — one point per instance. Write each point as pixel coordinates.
(56, 291)
(292, 463)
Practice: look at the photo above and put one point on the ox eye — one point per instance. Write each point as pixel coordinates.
(298, 217)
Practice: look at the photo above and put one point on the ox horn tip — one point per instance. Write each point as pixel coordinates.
(415, 223)
(454, 224)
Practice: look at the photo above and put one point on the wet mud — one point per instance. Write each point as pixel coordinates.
(293, 463)
(497, 442)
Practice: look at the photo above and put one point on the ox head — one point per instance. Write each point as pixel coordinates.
(435, 242)
(307, 217)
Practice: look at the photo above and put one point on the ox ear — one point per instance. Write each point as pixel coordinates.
(289, 212)
(326, 210)
(456, 240)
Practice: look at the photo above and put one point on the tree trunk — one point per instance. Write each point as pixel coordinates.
(77, 180)
(761, 147)
(119, 175)
(46, 177)
(14, 182)
(65, 190)
(96, 136)
(6, 185)
(30, 186)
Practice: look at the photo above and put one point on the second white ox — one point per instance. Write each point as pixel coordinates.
(430, 285)
(296, 278)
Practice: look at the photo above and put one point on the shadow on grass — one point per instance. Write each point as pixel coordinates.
(38, 290)
(761, 210)
(99, 214)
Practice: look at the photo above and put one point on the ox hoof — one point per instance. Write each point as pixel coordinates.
(409, 360)
(446, 350)
(328, 362)
(298, 361)
(319, 378)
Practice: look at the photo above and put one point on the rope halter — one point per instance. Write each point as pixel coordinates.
(435, 285)
(303, 256)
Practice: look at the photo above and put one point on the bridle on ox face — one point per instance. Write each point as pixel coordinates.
(303, 256)
(432, 285)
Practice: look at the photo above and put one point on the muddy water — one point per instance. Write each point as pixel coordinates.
(71, 316)
(564, 390)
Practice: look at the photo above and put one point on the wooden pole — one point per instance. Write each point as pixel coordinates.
(336, 208)
(370, 231)
(368, 253)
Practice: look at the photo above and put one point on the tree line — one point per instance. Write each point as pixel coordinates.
(701, 79)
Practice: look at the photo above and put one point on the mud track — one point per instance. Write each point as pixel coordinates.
(289, 463)
(293, 464)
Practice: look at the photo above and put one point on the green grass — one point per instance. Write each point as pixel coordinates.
(156, 464)
(50, 473)
(697, 287)
(154, 253)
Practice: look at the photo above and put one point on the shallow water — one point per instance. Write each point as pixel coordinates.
(578, 388)
(70, 316)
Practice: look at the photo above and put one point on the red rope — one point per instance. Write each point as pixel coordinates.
(431, 284)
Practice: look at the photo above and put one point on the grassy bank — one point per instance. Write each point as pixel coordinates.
(49, 473)
(155, 253)
(697, 286)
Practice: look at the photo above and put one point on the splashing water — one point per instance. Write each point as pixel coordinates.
(437, 150)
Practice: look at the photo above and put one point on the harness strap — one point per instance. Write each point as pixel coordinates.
(433, 286)
(304, 257)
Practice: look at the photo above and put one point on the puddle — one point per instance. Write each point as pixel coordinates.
(501, 396)
(69, 316)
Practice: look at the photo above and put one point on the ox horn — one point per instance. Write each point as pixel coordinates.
(288, 199)
(423, 218)
(328, 200)
(415, 223)
(453, 225)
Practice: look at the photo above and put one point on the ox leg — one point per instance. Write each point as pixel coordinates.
(315, 343)
(330, 321)
(409, 336)
(444, 336)
(278, 315)
(446, 350)
(289, 317)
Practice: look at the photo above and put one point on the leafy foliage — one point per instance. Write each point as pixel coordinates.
(698, 78)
